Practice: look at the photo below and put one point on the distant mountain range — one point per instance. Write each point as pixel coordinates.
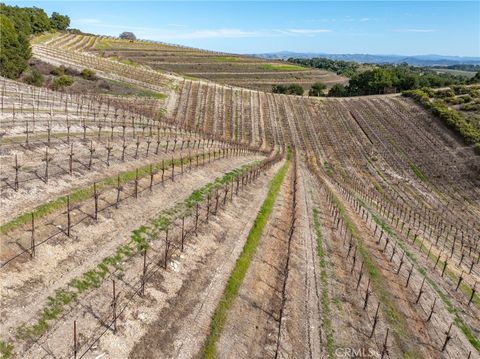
(418, 60)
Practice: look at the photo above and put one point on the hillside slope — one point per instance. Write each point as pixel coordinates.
(334, 223)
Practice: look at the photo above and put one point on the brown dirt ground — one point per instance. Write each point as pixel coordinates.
(25, 287)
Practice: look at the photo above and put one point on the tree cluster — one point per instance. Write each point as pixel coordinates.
(128, 36)
(388, 78)
(16, 26)
(293, 89)
(317, 89)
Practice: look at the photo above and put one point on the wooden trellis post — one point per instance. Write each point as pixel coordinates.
(367, 295)
(420, 292)
(360, 275)
(375, 320)
(109, 148)
(196, 218)
(183, 232)
(17, 168)
(47, 160)
(166, 248)
(95, 198)
(163, 171)
(92, 150)
(144, 275)
(114, 307)
(226, 195)
(158, 144)
(68, 216)
(151, 177)
(136, 184)
(70, 159)
(124, 147)
(32, 244)
(447, 338)
(216, 202)
(459, 281)
(385, 348)
(119, 189)
(474, 289)
(149, 140)
(75, 339)
(208, 207)
(431, 309)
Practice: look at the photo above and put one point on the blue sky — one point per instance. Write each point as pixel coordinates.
(377, 27)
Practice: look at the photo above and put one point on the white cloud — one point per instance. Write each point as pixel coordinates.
(308, 31)
(364, 19)
(181, 33)
(205, 34)
(414, 30)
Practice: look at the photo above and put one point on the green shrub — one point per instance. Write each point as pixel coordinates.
(293, 89)
(338, 90)
(88, 74)
(317, 89)
(62, 81)
(451, 118)
(454, 100)
(444, 93)
(34, 78)
(466, 98)
(470, 107)
(58, 71)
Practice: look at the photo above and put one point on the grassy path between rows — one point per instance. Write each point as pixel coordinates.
(243, 262)
(325, 298)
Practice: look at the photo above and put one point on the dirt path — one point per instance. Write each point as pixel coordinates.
(252, 324)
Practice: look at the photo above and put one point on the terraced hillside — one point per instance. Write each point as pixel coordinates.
(239, 224)
(228, 69)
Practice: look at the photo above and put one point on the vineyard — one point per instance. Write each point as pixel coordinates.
(235, 70)
(224, 221)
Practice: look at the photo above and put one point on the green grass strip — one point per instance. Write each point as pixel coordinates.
(241, 266)
(6, 350)
(417, 172)
(324, 297)
(281, 67)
